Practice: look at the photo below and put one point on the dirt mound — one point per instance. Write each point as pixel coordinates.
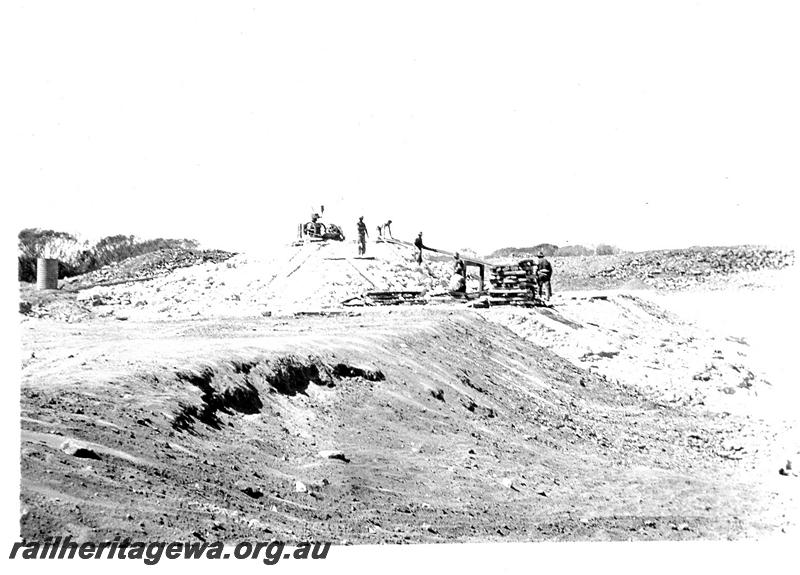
(415, 426)
(314, 276)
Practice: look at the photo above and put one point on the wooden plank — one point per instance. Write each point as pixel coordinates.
(468, 260)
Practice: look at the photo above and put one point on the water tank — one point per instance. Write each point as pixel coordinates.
(46, 273)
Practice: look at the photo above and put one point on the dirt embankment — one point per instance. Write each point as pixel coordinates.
(390, 426)
(630, 339)
(707, 267)
(147, 266)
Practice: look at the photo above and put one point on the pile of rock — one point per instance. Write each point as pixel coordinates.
(666, 269)
(675, 268)
(147, 266)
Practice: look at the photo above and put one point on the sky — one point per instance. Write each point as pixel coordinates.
(483, 124)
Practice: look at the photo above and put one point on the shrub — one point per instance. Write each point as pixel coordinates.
(567, 251)
(606, 250)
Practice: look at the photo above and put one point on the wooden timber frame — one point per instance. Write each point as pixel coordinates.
(481, 272)
(468, 262)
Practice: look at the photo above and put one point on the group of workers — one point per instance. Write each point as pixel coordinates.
(384, 231)
(541, 269)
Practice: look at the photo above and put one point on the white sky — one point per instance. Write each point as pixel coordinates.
(643, 124)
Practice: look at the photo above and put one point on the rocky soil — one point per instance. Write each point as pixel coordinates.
(625, 336)
(410, 426)
(315, 277)
(666, 269)
(146, 266)
(212, 403)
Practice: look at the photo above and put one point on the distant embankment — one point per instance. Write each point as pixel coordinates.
(552, 250)
(77, 257)
(667, 269)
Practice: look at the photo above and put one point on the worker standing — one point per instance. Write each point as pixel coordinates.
(362, 236)
(459, 267)
(419, 245)
(544, 271)
(387, 229)
(458, 282)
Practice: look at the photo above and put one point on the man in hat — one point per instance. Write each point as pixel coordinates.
(314, 227)
(419, 245)
(362, 236)
(544, 271)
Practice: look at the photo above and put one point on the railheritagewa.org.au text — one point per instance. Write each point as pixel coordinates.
(151, 552)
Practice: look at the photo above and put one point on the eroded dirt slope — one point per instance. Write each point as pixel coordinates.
(401, 425)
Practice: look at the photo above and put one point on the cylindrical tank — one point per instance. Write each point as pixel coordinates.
(46, 273)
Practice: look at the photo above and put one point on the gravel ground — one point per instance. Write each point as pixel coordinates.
(604, 417)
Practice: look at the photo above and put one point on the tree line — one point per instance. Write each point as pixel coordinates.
(76, 257)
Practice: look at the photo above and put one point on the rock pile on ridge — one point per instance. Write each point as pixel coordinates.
(665, 269)
(147, 266)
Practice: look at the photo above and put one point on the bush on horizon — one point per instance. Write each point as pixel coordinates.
(552, 250)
